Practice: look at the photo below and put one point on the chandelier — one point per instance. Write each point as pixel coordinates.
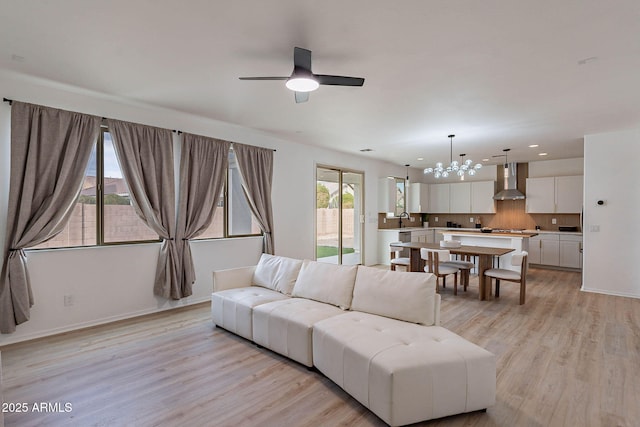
(459, 168)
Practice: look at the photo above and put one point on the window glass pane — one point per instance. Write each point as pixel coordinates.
(81, 228)
(241, 220)
(400, 196)
(121, 223)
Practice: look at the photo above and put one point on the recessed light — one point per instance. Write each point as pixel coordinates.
(420, 158)
(534, 146)
(485, 160)
(542, 154)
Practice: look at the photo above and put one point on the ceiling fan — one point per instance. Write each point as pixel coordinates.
(302, 80)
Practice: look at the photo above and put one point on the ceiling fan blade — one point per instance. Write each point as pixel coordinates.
(263, 78)
(302, 58)
(324, 79)
(302, 97)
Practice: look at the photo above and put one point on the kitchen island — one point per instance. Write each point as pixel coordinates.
(519, 241)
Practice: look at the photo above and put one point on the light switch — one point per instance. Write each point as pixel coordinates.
(553, 221)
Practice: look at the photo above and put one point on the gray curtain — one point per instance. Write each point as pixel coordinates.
(256, 168)
(145, 154)
(50, 149)
(203, 168)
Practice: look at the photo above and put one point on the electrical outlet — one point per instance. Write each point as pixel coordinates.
(384, 220)
(68, 300)
(471, 220)
(412, 219)
(553, 221)
(435, 219)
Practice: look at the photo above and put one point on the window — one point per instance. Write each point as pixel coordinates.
(233, 217)
(104, 213)
(401, 196)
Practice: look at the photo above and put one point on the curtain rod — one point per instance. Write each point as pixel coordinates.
(179, 132)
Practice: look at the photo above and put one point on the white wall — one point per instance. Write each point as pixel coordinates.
(110, 283)
(611, 231)
(560, 167)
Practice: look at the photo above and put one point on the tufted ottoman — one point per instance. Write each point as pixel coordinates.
(401, 371)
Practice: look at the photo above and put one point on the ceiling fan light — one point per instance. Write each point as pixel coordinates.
(302, 84)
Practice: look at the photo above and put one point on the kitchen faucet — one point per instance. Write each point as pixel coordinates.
(403, 214)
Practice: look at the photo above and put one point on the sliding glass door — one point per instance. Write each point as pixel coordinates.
(339, 213)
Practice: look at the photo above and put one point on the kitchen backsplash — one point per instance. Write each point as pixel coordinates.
(510, 214)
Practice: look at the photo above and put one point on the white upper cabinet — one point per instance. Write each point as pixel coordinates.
(482, 193)
(419, 198)
(439, 198)
(460, 197)
(540, 195)
(561, 194)
(569, 194)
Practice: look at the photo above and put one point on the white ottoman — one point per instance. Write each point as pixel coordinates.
(404, 372)
(232, 308)
(286, 326)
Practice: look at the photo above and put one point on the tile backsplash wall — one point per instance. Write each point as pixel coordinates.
(509, 214)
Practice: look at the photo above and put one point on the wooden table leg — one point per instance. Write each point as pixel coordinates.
(484, 263)
(415, 261)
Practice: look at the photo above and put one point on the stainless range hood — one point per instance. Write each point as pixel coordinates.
(510, 191)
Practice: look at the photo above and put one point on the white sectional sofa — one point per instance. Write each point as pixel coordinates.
(373, 332)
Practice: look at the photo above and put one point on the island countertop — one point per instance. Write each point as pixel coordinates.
(492, 234)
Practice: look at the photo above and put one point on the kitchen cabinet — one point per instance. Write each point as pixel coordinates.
(540, 195)
(569, 194)
(419, 198)
(423, 236)
(386, 195)
(570, 251)
(556, 250)
(439, 198)
(560, 194)
(482, 193)
(460, 197)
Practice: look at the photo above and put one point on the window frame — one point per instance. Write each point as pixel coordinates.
(226, 232)
(100, 211)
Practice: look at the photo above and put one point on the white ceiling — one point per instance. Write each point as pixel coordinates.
(497, 73)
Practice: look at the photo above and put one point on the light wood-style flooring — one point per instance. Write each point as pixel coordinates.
(565, 358)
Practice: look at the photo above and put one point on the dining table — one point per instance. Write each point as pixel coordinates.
(485, 256)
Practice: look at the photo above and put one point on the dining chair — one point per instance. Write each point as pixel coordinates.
(396, 259)
(439, 269)
(464, 265)
(517, 260)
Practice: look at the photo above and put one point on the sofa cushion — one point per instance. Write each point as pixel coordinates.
(407, 296)
(286, 326)
(404, 372)
(232, 309)
(277, 272)
(328, 283)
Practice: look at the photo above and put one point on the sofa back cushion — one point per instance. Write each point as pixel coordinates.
(277, 272)
(408, 296)
(328, 283)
